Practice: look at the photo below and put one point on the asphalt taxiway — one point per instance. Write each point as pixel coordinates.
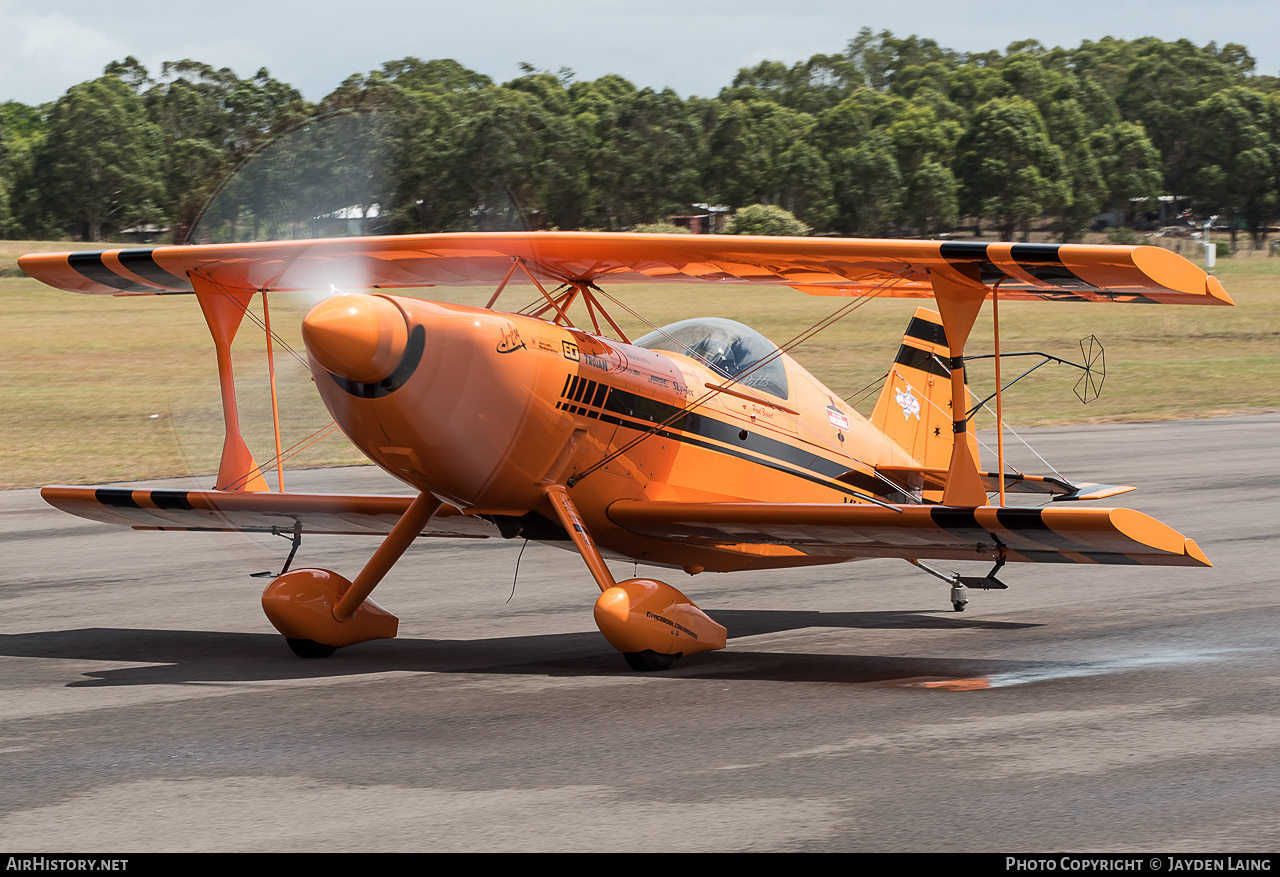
(146, 703)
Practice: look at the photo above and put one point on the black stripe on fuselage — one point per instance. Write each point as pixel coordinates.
(91, 267)
(652, 411)
(143, 263)
(691, 423)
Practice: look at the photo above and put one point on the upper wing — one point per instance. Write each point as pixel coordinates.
(1050, 535)
(169, 509)
(819, 266)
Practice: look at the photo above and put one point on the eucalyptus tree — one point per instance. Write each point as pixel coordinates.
(99, 170)
(1165, 83)
(646, 149)
(1009, 171)
(1237, 158)
(760, 152)
(1130, 166)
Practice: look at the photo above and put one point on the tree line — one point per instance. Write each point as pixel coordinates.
(891, 137)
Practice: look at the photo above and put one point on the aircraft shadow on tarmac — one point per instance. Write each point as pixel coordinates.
(176, 657)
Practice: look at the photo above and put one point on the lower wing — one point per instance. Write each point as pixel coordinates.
(1033, 535)
(281, 513)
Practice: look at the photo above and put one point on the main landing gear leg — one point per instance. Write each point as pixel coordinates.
(319, 611)
(650, 622)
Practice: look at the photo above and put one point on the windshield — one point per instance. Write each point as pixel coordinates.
(728, 347)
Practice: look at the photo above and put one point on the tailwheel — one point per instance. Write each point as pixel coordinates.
(309, 648)
(649, 660)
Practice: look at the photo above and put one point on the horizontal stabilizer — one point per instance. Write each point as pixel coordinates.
(1061, 490)
(168, 509)
(843, 531)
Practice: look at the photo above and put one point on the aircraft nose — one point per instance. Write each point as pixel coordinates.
(358, 337)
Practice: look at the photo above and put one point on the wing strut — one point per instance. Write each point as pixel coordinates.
(275, 404)
(224, 310)
(318, 610)
(650, 622)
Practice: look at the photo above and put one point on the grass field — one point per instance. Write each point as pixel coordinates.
(97, 388)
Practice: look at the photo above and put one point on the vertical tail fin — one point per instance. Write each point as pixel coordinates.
(914, 408)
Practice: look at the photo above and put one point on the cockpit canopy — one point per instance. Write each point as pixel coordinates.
(728, 347)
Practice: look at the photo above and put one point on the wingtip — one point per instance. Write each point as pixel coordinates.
(1213, 287)
(1192, 550)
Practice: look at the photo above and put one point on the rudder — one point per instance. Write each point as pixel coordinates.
(914, 408)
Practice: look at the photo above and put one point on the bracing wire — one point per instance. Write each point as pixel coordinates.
(517, 573)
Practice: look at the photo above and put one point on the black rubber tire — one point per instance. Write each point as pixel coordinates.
(958, 606)
(649, 661)
(308, 648)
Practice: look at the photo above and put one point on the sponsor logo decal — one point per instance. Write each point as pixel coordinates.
(910, 404)
(679, 627)
(510, 341)
(570, 351)
(836, 418)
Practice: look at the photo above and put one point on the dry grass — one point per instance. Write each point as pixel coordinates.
(101, 388)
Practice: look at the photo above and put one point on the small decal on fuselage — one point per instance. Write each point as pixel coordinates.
(570, 351)
(510, 341)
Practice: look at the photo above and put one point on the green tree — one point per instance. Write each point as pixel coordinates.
(1165, 83)
(869, 191)
(645, 152)
(7, 226)
(1009, 172)
(766, 219)
(931, 198)
(24, 129)
(759, 152)
(99, 170)
(1130, 166)
(1237, 157)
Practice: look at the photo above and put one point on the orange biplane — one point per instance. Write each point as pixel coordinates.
(700, 446)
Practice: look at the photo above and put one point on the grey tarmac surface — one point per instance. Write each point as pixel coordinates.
(146, 703)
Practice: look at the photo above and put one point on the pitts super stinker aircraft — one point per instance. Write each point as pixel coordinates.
(700, 446)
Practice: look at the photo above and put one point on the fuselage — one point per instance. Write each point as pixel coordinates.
(486, 409)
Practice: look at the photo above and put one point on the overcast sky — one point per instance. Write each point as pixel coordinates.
(46, 47)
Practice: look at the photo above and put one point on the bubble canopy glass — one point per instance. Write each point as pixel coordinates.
(727, 346)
